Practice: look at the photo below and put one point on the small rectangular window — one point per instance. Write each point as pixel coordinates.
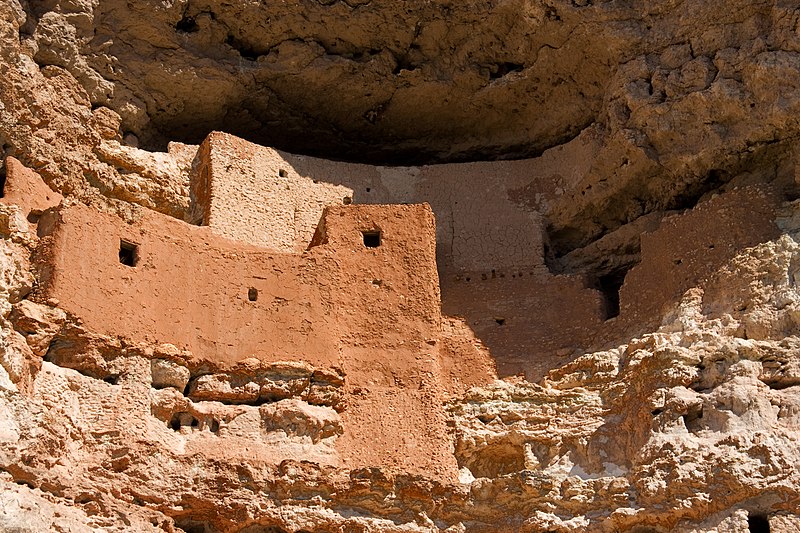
(128, 253)
(372, 239)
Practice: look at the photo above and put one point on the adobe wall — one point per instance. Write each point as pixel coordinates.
(247, 193)
(373, 312)
(531, 320)
(189, 288)
(478, 231)
(688, 247)
(309, 306)
(201, 282)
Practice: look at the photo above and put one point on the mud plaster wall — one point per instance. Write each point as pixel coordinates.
(26, 189)
(339, 304)
(533, 321)
(530, 319)
(201, 282)
(687, 248)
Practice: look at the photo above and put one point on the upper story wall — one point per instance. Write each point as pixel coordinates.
(485, 218)
(245, 192)
(490, 250)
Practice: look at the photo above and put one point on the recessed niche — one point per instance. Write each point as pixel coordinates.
(183, 419)
(372, 238)
(283, 173)
(252, 294)
(609, 286)
(187, 25)
(128, 253)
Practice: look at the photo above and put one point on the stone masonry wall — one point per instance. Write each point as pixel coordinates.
(490, 248)
(202, 281)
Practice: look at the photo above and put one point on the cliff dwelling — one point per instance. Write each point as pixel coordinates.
(288, 258)
(351, 266)
(265, 218)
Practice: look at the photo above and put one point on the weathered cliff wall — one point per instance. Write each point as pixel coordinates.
(615, 348)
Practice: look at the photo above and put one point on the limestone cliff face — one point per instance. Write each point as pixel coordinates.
(599, 336)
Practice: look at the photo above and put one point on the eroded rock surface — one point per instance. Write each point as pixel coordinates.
(601, 337)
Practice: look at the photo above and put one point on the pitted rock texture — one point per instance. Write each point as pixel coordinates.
(447, 79)
(440, 80)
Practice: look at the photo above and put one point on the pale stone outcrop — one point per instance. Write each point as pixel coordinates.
(169, 374)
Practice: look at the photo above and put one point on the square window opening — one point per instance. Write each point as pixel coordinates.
(128, 253)
(372, 239)
(758, 524)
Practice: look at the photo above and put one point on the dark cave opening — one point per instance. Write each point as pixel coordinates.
(758, 524)
(286, 128)
(689, 198)
(246, 51)
(564, 239)
(326, 142)
(187, 25)
(502, 69)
